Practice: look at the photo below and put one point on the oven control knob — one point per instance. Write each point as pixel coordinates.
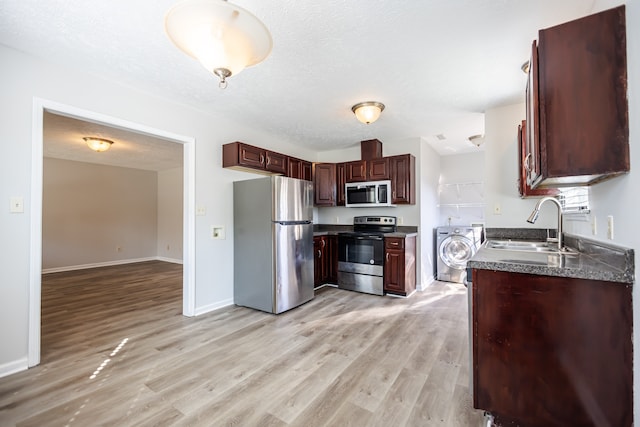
(371, 261)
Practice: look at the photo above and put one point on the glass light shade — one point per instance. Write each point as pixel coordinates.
(368, 112)
(477, 140)
(98, 144)
(218, 34)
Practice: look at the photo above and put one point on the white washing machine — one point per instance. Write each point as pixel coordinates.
(454, 247)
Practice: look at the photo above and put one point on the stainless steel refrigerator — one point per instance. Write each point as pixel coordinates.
(273, 243)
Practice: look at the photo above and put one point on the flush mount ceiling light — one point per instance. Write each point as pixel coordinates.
(368, 112)
(525, 67)
(98, 144)
(477, 140)
(225, 38)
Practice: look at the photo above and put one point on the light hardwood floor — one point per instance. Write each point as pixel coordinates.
(116, 351)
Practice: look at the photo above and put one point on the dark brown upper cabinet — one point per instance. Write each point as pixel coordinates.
(523, 187)
(238, 155)
(341, 179)
(577, 109)
(403, 179)
(367, 170)
(298, 168)
(324, 184)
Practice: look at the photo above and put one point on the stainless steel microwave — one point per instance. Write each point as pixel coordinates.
(367, 194)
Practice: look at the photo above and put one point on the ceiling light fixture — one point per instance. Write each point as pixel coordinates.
(525, 67)
(225, 38)
(368, 112)
(98, 144)
(477, 140)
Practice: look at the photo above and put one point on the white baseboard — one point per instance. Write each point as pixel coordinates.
(212, 307)
(171, 260)
(108, 264)
(13, 367)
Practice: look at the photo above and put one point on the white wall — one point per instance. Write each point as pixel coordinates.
(169, 235)
(24, 77)
(94, 214)
(429, 212)
(501, 173)
(462, 184)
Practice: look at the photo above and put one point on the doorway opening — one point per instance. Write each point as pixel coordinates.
(42, 107)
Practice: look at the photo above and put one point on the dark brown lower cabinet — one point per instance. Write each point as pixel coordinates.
(325, 260)
(400, 265)
(552, 351)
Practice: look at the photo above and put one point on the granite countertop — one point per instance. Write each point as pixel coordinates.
(335, 229)
(589, 259)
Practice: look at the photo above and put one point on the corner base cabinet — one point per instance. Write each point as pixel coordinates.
(552, 351)
(400, 265)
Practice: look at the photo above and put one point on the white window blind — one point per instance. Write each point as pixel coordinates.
(574, 199)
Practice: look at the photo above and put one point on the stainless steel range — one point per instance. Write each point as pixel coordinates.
(361, 254)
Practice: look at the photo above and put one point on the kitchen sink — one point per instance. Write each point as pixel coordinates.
(528, 246)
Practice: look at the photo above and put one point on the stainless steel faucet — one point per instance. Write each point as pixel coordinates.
(536, 211)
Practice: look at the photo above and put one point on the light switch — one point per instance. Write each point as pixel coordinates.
(16, 204)
(201, 211)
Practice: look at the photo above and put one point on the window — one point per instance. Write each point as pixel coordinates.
(574, 200)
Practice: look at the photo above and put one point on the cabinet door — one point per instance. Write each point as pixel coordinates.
(306, 171)
(341, 179)
(531, 160)
(294, 168)
(332, 259)
(276, 162)
(541, 344)
(523, 186)
(394, 271)
(317, 261)
(250, 156)
(403, 173)
(324, 184)
(378, 169)
(583, 108)
(356, 171)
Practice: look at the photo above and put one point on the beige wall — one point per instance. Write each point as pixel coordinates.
(170, 203)
(95, 214)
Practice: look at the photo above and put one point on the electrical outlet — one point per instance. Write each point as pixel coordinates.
(336, 220)
(610, 227)
(16, 204)
(201, 211)
(400, 220)
(118, 248)
(497, 209)
(217, 232)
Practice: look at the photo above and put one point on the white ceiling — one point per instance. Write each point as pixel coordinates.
(437, 65)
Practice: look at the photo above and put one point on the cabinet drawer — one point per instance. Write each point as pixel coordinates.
(394, 243)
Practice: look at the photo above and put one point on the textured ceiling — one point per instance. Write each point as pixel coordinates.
(437, 65)
(63, 140)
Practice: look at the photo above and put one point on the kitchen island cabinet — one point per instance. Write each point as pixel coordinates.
(577, 110)
(551, 351)
(400, 265)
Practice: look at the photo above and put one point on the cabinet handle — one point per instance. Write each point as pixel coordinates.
(324, 242)
(261, 159)
(268, 160)
(319, 254)
(394, 243)
(527, 163)
(387, 257)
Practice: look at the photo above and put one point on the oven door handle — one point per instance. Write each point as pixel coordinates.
(368, 238)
